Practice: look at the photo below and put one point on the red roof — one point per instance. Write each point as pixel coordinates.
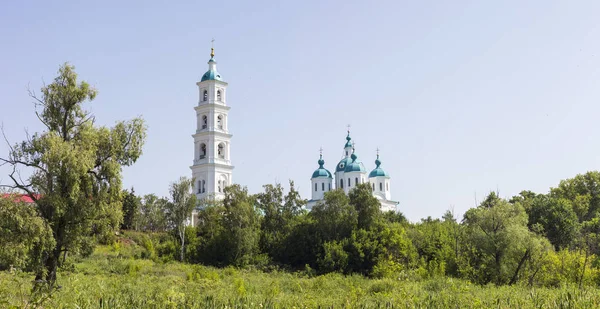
(20, 197)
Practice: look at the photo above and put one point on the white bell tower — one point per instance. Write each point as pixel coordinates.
(212, 170)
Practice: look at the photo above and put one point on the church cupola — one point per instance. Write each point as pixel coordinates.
(354, 173)
(380, 181)
(212, 73)
(321, 181)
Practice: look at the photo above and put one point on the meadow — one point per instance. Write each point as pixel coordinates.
(115, 277)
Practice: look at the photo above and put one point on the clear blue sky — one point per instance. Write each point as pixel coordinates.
(462, 97)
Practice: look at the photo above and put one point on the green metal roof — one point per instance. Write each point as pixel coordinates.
(321, 171)
(378, 171)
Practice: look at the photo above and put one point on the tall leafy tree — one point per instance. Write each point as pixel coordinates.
(583, 191)
(368, 208)
(75, 168)
(24, 236)
(499, 242)
(334, 217)
(131, 210)
(152, 216)
(555, 219)
(183, 202)
(241, 224)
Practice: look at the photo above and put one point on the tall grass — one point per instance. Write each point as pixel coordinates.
(112, 278)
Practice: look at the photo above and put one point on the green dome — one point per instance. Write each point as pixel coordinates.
(211, 75)
(354, 165)
(348, 139)
(341, 166)
(378, 171)
(321, 171)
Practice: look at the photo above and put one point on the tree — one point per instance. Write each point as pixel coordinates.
(583, 191)
(279, 216)
(334, 217)
(24, 236)
(498, 242)
(152, 216)
(241, 224)
(557, 220)
(180, 208)
(273, 224)
(368, 208)
(131, 210)
(75, 168)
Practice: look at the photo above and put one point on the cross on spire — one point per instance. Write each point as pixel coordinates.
(212, 48)
(348, 126)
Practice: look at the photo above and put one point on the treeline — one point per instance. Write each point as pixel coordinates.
(534, 239)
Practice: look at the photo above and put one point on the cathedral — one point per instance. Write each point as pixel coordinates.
(212, 170)
(350, 172)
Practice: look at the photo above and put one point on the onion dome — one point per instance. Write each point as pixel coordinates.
(321, 171)
(378, 171)
(348, 141)
(355, 165)
(212, 73)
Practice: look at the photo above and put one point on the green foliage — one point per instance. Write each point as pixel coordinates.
(75, 168)
(132, 205)
(180, 208)
(334, 218)
(583, 191)
(153, 214)
(498, 242)
(556, 219)
(366, 205)
(241, 226)
(107, 280)
(24, 236)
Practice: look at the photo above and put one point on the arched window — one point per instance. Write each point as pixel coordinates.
(349, 183)
(205, 96)
(315, 187)
(219, 95)
(204, 121)
(329, 187)
(220, 122)
(202, 151)
(341, 183)
(356, 181)
(203, 186)
(381, 186)
(323, 186)
(199, 186)
(387, 186)
(221, 151)
(219, 186)
(373, 187)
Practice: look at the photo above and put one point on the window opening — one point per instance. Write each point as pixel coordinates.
(202, 151)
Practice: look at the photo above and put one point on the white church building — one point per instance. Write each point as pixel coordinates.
(212, 170)
(349, 173)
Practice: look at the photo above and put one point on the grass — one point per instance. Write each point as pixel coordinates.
(111, 278)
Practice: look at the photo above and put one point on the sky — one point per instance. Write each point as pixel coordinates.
(461, 97)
